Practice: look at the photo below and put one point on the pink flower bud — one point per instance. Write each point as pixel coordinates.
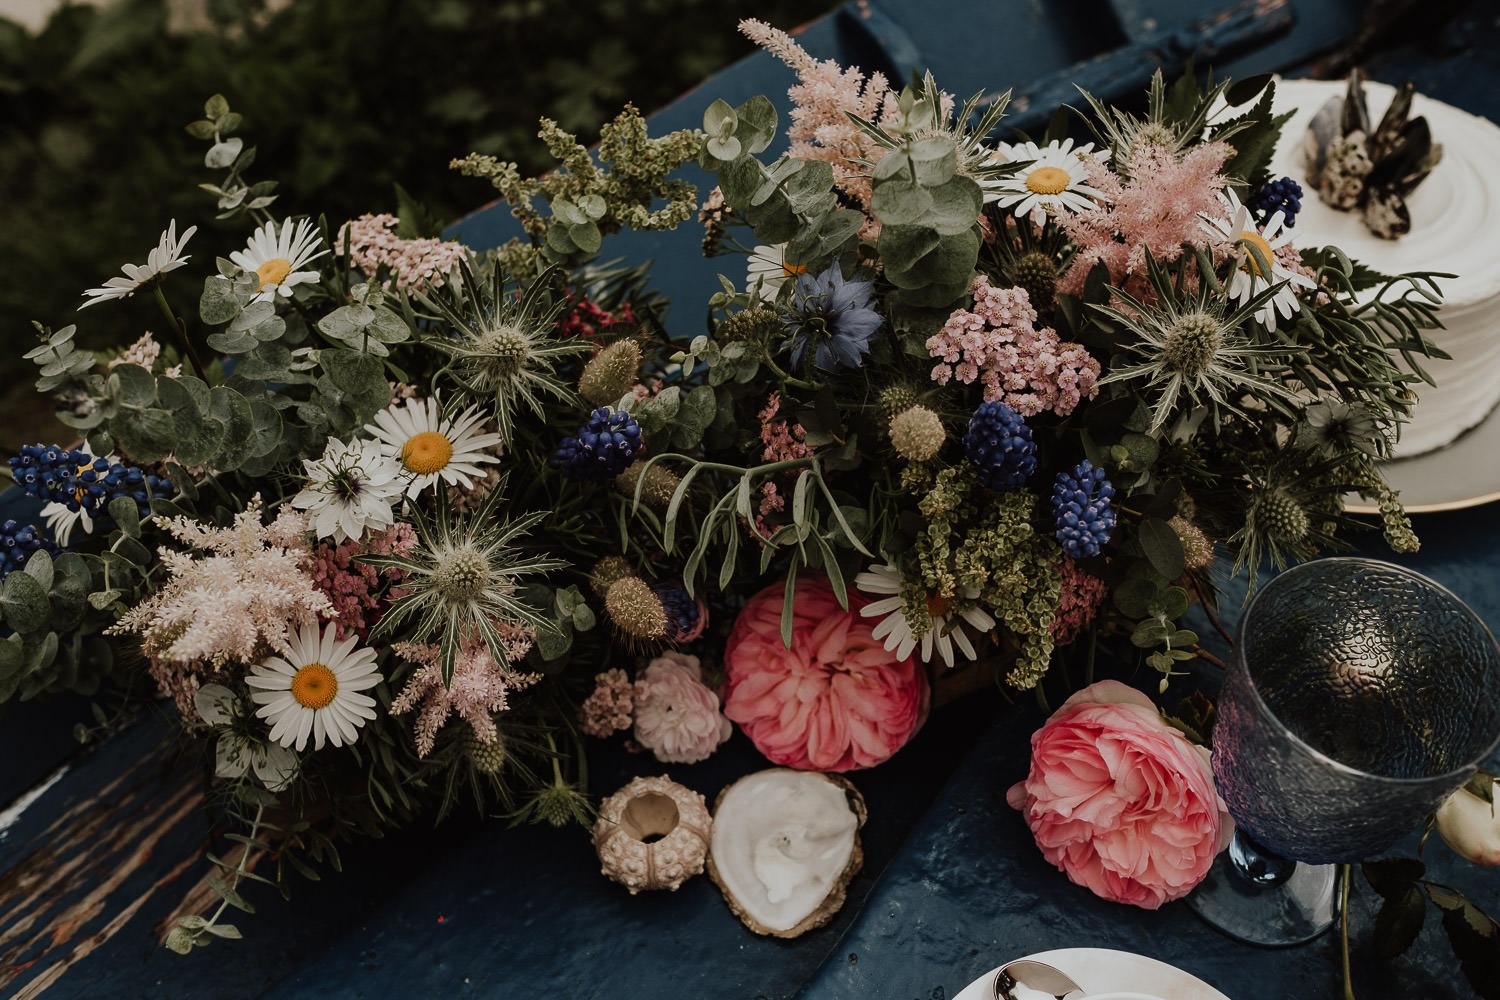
(1470, 826)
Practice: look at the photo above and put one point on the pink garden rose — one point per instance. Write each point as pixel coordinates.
(837, 700)
(676, 716)
(1120, 801)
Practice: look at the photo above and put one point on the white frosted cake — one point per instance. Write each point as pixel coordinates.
(1455, 227)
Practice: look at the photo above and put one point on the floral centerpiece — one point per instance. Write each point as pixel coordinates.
(393, 522)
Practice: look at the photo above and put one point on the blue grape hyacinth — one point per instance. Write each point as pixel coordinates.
(80, 482)
(17, 543)
(1083, 504)
(682, 611)
(1281, 195)
(999, 445)
(603, 447)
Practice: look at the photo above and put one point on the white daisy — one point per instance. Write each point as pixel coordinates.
(767, 270)
(315, 689)
(236, 753)
(61, 521)
(166, 257)
(1055, 180)
(350, 490)
(430, 446)
(275, 257)
(947, 620)
(1245, 281)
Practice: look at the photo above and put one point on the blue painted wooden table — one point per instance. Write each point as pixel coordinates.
(953, 884)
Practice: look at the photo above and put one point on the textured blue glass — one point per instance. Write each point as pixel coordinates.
(1361, 695)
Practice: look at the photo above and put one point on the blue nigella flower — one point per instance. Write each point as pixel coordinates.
(1281, 195)
(17, 542)
(999, 445)
(834, 314)
(1082, 502)
(602, 448)
(79, 481)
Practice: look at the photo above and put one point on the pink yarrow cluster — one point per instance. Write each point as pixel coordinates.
(610, 707)
(997, 344)
(1080, 599)
(1157, 210)
(587, 319)
(479, 688)
(355, 589)
(414, 265)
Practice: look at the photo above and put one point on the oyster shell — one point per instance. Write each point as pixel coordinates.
(785, 845)
(652, 834)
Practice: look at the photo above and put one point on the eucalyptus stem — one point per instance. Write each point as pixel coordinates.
(1346, 874)
(179, 332)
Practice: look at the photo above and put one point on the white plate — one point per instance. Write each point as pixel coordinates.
(1462, 474)
(1100, 970)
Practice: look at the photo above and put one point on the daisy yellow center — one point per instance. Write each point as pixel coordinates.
(426, 452)
(314, 686)
(937, 604)
(273, 271)
(792, 270)
(1047, 180)
(1256, 240)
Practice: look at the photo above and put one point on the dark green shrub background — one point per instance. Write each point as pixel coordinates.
(343, 99)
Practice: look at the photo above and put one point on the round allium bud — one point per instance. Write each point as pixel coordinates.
(607, 571)
(896, 398)
(1192, 343)
(487, 758)
(611, 373)
(1278, 515)
(635, 609)
(750, 324)
(1036, 273)
(917, 434)
(660, 483)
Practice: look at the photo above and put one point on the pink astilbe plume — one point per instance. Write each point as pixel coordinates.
(997, 344)
(822, 100)
(236, 599)
(479, 688)
(1156, 210)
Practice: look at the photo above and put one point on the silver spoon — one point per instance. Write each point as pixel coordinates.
(1033, 976)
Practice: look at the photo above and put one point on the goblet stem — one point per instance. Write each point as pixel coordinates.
(1259, 897)
(1257, 864)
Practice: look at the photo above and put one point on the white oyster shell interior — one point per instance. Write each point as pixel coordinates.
(781, 844)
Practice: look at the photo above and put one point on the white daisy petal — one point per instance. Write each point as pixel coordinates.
(167, 256)
(275, 256)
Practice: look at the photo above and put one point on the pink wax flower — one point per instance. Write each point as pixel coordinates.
(1121, 802)
(676, 716)
(837, 700)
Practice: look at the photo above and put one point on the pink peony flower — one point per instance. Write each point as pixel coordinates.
(676, 716)
(837, 700)
(1121, 802)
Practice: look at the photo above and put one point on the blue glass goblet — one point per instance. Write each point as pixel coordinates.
(1360, 695)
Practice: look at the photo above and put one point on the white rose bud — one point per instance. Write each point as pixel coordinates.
(1471, 826)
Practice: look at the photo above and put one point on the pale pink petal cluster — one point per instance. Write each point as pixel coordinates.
(478, 689)
(237, 595)
(997, 344)
(1121, 802)
(837, 700)
(143, 352)
(610, 707)
(1157, 210)
(357, 591)
(1078, 602)
(677, 717)
(822, 100)
(414, 265)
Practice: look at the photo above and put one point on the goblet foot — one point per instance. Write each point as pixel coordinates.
(1261, 898)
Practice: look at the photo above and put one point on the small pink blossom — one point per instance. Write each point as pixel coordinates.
(1121, 802)
(416, 265)
(677, 717)
(781, 440)
(1079, 601)
(610, 706)
(355, 590)
(997, 344)
(837, 700)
